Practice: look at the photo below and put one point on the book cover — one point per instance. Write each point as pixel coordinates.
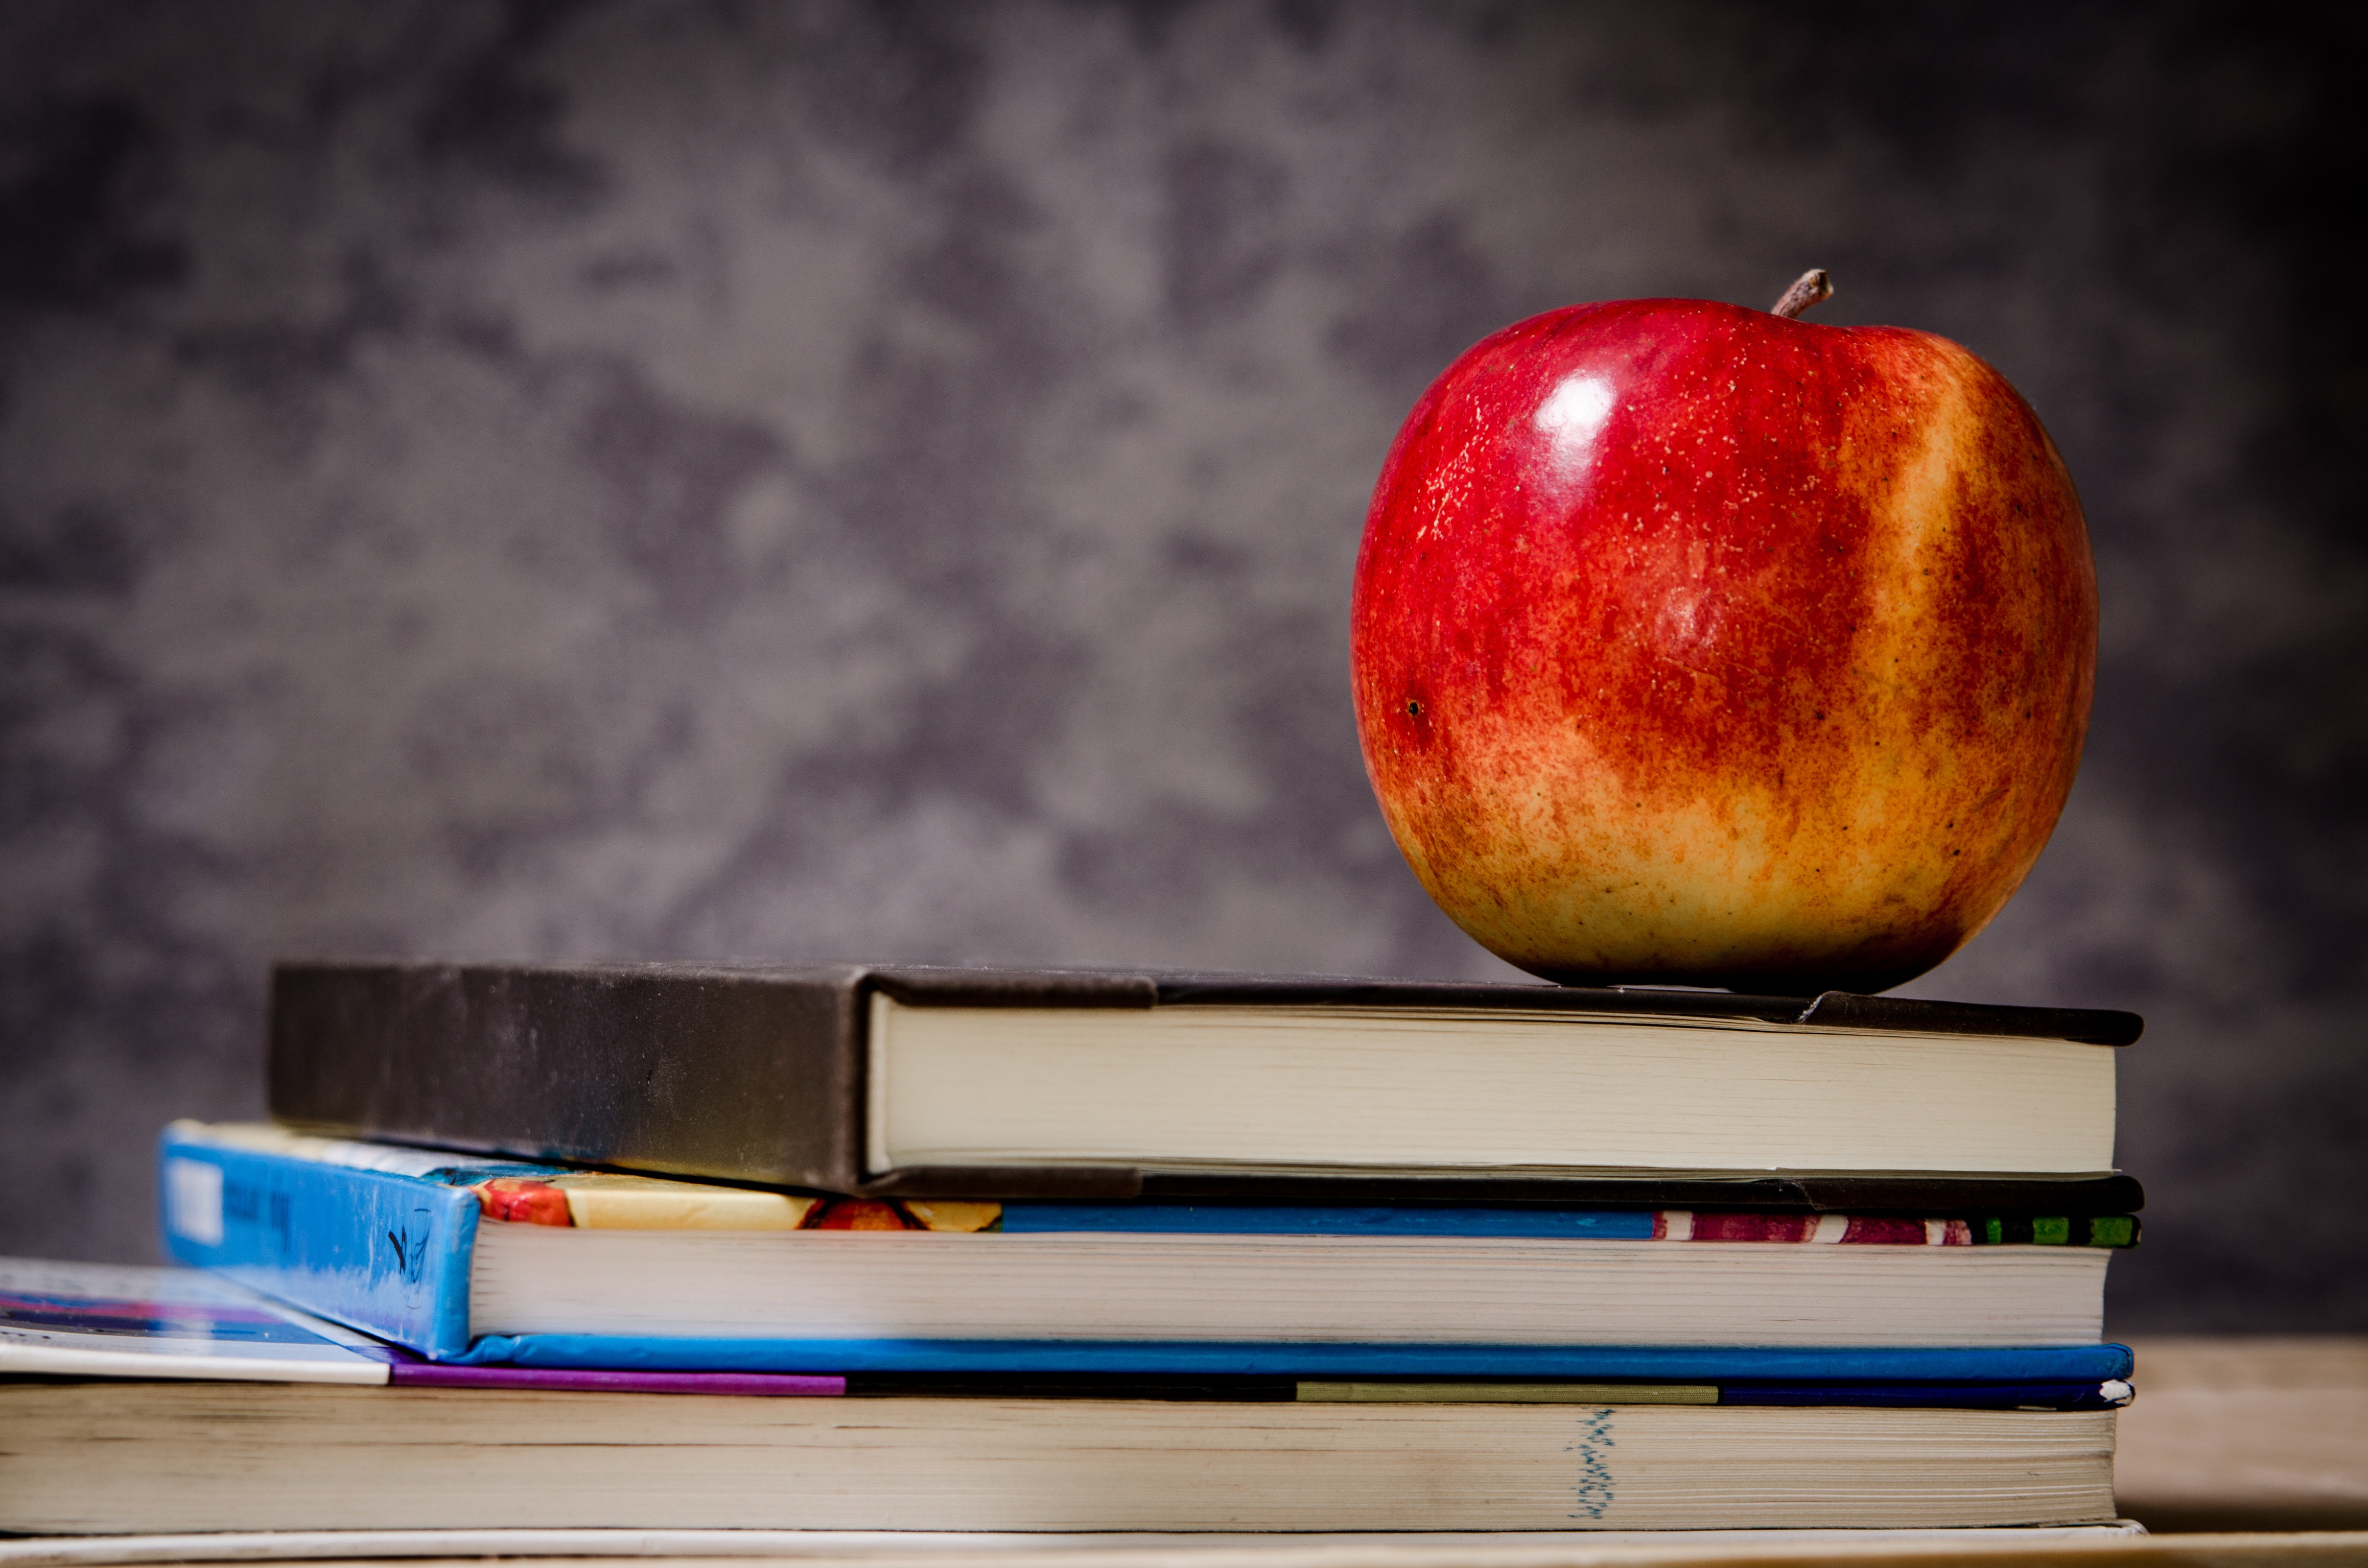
(91, 1320)
(103, 1320)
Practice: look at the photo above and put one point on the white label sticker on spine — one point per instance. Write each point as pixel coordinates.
(193, 1200)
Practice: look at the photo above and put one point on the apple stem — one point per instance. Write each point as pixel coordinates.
(1812, 288)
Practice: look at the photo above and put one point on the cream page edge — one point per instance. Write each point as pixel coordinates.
(2063, 1068)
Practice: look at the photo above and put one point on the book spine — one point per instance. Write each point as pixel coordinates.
(748, 1076)
(377, 1251)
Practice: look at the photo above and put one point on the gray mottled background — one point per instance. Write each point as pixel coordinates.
(827, 479)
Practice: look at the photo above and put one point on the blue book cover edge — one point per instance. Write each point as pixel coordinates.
(2071, 1363)
(376, 1250)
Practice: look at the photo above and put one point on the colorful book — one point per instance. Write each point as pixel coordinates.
(474, 1262)
(1005, 1083)
(91, 1320)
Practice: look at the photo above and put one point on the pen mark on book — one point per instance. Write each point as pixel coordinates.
(1594, 1493)
(410, 1246)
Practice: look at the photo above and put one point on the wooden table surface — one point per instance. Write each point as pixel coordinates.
(2247, 1435)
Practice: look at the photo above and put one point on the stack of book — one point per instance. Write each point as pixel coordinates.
(946, 1249)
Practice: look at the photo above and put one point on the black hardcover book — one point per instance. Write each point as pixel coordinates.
(914, 1082)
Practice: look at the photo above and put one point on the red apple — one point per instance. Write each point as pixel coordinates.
(1706, 645)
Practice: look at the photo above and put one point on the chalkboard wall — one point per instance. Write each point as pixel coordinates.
(881, 481)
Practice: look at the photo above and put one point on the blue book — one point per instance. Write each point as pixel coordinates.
(476, 1261)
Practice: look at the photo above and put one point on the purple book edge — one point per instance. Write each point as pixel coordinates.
(431, 1374)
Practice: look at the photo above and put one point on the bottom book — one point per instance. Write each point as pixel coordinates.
(128, 1457)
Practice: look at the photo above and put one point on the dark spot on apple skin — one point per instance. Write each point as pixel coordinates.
(1413, 709)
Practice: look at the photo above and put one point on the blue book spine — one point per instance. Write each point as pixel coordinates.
(381, 1250)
